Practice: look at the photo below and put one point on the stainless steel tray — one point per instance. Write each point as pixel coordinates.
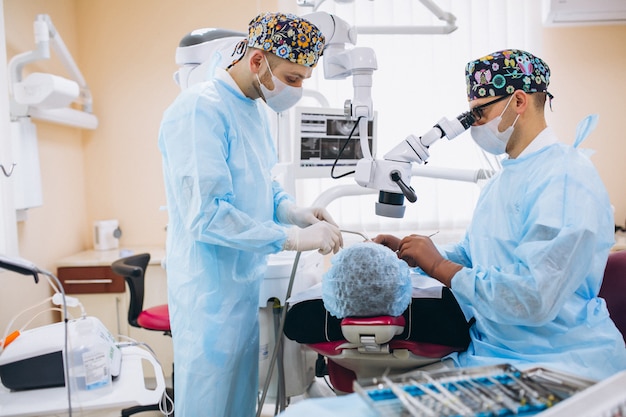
(500, 390)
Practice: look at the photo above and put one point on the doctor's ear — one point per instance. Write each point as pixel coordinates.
(255, 60)
(521, 101)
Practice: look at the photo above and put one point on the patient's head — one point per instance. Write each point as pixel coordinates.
(366, 279)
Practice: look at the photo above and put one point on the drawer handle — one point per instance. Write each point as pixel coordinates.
(88, 281)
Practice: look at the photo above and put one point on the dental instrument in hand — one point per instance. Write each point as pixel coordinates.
(429, 236)
(363, 235)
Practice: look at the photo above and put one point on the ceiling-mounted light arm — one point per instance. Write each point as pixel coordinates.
(448, 18)
(315, 4)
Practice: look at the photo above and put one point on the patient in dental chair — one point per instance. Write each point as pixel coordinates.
(366, 280)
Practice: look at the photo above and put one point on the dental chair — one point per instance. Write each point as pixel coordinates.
(361, 347)
(613, 289)
(156, 318)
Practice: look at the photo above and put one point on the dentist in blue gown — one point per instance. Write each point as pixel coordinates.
(531, 263)
(226, 214)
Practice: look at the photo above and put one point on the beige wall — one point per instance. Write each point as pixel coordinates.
(588, 67)
(58, 228)
(125, 49)
(129, 49)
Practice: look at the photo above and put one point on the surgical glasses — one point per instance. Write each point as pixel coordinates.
(478, 111)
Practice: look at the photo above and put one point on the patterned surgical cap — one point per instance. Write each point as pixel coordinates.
(287, 36)
(503, 72)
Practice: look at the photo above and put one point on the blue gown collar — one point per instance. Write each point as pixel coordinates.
(221, 75)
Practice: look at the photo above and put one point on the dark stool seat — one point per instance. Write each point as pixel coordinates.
(133, 269)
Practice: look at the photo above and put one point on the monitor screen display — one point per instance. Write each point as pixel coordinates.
(321, 134)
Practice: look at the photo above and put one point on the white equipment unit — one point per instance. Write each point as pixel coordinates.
(46, 96)
(106, 234)
(299, 361)
(35, 359)
(584, 12)
(201, 51)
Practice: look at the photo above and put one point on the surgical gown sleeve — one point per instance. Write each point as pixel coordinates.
(539, 239)
(218, 159)
(456, 252)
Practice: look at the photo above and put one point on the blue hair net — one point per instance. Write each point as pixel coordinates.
(366, 279)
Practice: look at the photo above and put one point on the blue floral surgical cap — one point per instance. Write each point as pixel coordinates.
(287, 36)
(503, 72)
(364, 280)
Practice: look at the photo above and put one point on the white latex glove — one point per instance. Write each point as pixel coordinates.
(289, 213)
(323, 236)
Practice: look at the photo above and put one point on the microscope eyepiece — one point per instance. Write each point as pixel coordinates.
(466, 119)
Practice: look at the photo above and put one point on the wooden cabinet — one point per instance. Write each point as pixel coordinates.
(90, 280)
(88, 276)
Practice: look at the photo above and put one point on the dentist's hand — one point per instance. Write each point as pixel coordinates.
(390, 241)
(323, 236)
(289, 213)
(417, 250)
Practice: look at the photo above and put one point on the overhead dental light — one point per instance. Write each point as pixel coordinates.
(46, 96)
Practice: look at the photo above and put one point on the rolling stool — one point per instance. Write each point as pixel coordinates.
(133, 268)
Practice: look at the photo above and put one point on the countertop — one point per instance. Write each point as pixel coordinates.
(107, 257)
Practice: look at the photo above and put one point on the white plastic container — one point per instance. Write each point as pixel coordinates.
(89, 360)
(106, 234)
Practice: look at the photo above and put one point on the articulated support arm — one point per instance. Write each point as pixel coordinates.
(46, 96)
(392, 175)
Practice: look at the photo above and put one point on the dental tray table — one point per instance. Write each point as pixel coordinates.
(472, 392)
(129, 389)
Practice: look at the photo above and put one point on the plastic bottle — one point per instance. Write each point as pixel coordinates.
(90, 361)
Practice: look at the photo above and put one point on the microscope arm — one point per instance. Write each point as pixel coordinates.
(341, 62)
(392, 175)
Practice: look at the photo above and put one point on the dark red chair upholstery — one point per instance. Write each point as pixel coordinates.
(613, 289)
(156, 318)
(369, 350)
(361, 347)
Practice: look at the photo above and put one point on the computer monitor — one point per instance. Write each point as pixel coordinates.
(320, 133)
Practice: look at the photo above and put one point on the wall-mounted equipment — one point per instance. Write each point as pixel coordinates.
(45, 97)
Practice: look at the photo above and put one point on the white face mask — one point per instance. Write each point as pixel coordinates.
(283, 96)
(488, 136)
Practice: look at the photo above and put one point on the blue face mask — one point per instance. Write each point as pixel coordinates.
(283, 96)
(489, 138)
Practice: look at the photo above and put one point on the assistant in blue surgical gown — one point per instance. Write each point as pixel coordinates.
(217, 155)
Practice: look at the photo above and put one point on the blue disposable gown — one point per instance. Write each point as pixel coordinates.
(534, 257)
(217, 155)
